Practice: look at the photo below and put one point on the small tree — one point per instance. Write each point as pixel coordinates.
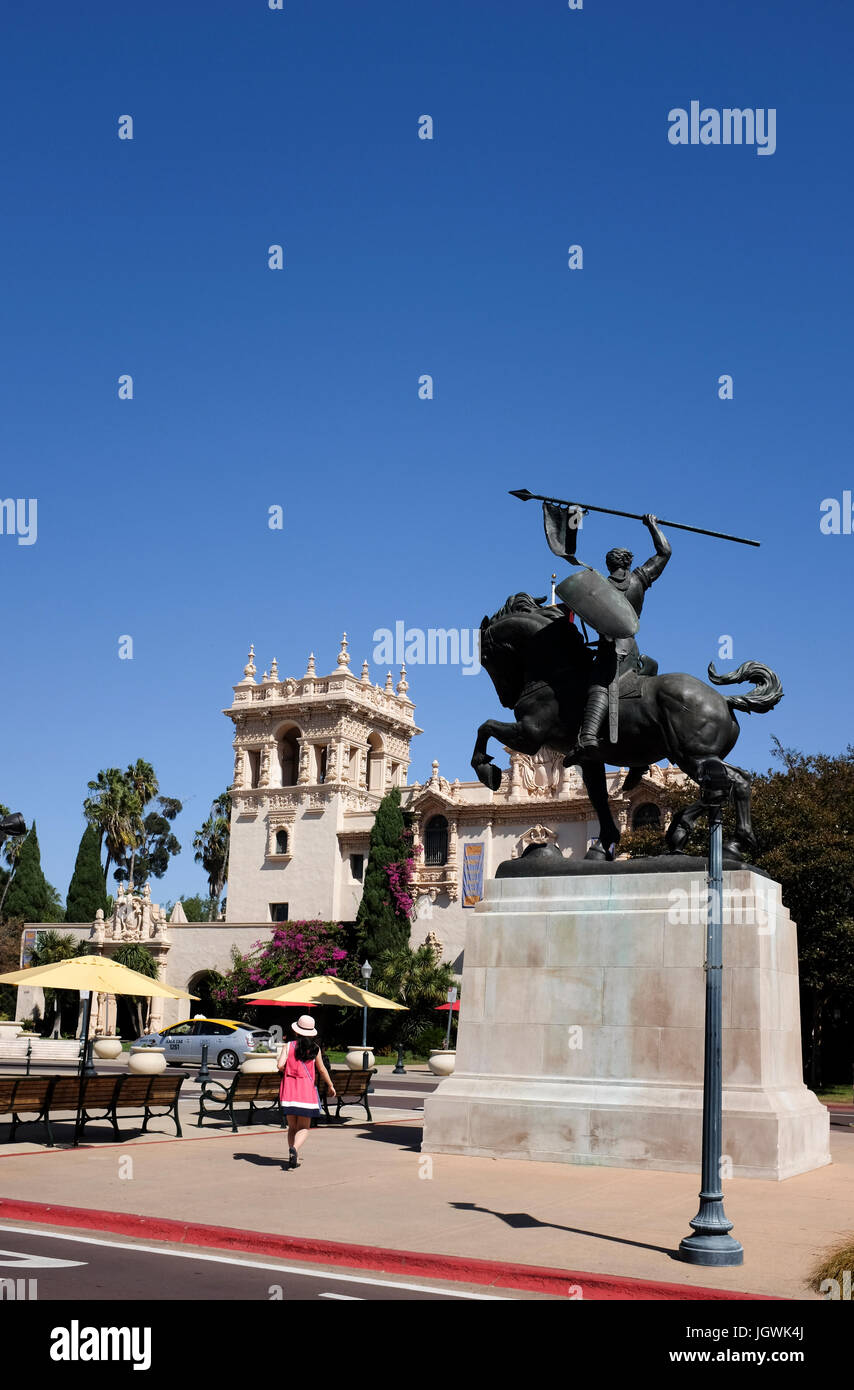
(211, 844)
(414, 978)
(31, 898)
(136, 957)
(50, 948)
(384, 916)
(87, 891)
(196, 908)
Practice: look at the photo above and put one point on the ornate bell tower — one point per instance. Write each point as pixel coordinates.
(311, 755)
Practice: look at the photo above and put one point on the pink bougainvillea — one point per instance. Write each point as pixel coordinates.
(294, 951)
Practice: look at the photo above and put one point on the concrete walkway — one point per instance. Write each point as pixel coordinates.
(368, 1184)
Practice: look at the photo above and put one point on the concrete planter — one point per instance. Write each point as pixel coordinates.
(442, 1061)
(10, 1031)
(148, 1061)
(355, 1058)
(265, 1063)
(107, 1048)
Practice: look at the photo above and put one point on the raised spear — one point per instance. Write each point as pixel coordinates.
(525, 496)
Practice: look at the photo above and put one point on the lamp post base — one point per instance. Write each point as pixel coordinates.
(711, 1243)
(711, 1250)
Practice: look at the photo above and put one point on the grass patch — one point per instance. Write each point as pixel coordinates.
(835, 1094)
(409, 1058)
(834, 1264)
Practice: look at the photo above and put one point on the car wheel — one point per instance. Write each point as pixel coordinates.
(228, 1061)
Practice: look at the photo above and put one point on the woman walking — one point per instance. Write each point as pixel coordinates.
(297, 1061)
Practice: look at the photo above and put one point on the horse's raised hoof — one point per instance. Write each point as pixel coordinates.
(490, 776)
(597, 852)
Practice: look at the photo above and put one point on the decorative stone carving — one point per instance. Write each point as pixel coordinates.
(537, 835)
(135, 918)
(540, 774)
(435, 880)
(249, 668)
(436, 946)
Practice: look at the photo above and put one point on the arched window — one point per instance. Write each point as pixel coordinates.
(375, 763)
(647, 817)
(288, 751)
(436, 841)
(281, 841)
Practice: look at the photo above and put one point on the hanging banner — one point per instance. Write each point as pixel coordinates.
(472, 874)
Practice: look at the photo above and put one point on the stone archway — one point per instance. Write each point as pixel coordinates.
(202, 984)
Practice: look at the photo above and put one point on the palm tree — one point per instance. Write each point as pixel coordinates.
(50, 947)
(211, 844)
(11, 850)
(137, 957)
(416, 979)
(114, 811)
(142, 782)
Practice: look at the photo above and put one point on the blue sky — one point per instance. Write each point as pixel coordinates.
(403, 256)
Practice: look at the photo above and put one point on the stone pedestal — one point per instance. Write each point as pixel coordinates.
(581, 1028)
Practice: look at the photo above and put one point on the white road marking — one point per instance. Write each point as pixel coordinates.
(255, 1264)
(343, 1297)
(21, 1261)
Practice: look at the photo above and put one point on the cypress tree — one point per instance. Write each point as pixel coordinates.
(381, 923)
(87, 890)
(31, 898)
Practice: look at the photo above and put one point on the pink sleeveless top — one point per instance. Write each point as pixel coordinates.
(298, 1089)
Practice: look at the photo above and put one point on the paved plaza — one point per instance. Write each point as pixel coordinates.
(367, 1184)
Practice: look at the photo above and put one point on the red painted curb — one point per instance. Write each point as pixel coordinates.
(495, 1273)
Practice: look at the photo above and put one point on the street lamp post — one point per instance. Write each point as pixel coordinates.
(711, 1243)
(367, 972)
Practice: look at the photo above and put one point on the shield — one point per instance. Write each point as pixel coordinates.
(595, 599)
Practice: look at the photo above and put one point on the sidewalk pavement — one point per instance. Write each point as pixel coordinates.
(369, 1185)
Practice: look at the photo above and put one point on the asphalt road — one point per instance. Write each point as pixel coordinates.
(77, 1269)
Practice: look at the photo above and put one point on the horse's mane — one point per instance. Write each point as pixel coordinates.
(516, 603)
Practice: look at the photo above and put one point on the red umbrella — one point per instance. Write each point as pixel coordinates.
(278, 1004)
(443, 1008)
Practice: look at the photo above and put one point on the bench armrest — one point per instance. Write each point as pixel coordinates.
(207, 1092)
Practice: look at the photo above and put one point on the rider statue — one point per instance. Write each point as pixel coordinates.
(614, 655)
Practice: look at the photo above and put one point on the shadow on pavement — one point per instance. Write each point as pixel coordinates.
(521, 1220)
(262, 1160)
(401, 1135)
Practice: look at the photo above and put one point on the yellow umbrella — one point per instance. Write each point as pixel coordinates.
(326, 989)
(100, 974)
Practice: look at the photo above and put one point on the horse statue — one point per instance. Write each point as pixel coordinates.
(540, 666)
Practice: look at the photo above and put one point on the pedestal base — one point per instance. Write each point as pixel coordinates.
(581, 1029)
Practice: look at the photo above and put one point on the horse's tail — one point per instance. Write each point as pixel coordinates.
(767, 691)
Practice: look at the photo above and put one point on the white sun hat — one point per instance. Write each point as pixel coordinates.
(305, 1026)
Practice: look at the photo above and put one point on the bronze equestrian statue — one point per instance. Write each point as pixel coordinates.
(558, 689)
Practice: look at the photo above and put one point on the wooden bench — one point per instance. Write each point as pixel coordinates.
(351, 1088)
(259, 1089)
(44, 1097)
(23, 1095)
